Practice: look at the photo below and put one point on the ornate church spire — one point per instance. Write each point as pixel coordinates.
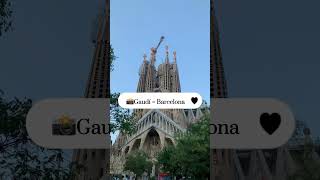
(167, 54)
(142, 74)
(151, 73)
(153, 56)
(175, 77)
(144, 57)
(174, 57)
(98, 86)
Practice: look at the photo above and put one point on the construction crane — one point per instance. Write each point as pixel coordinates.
(155, 49)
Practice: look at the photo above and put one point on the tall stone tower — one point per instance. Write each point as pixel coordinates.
(273, 164)
(218, 85)
(165, 78)
(222, 167)
(94, 163)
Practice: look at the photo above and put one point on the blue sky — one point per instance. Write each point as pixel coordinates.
(136, 26)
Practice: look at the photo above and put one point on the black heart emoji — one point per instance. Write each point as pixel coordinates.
(194, 100)
(270, 123)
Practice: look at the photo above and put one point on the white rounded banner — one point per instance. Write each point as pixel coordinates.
(160, 100)
(70, 123)
(250, 123)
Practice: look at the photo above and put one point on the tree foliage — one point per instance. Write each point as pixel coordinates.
(121, 119)
(190, 157)
(113, 57)
(138, 163)
(308, 165)
(20, 158)
(5, 16)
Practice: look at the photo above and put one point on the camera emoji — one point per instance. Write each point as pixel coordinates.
(64, 126)
(130, 101)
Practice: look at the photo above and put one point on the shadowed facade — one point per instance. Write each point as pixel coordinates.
(231, 164)
(93, 164)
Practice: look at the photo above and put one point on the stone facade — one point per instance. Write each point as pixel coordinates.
(232, 164)
(93, 164)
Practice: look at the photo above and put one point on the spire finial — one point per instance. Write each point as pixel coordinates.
(153, 56)
(144, 57)
(167, 54)
(174, 56)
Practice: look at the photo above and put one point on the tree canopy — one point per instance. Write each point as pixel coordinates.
(308, 165)
(190, 157)
(138, 163)
(5, 16)
(20, 158)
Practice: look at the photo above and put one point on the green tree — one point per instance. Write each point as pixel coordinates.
(169, 162)
(138, 163)
(308, 166)
(121, 119)
(113, 57)
(5, 16)
(190, 157)
(20, 158)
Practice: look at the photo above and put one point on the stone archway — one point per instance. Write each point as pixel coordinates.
(126, 150)
(152, 143)
(168, 142)
(136, 145)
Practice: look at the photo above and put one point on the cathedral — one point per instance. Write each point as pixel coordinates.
(155, 128)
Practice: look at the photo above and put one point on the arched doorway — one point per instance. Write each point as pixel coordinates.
(136, 145)
(126, 150)
(152, 144)
(168, 142)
